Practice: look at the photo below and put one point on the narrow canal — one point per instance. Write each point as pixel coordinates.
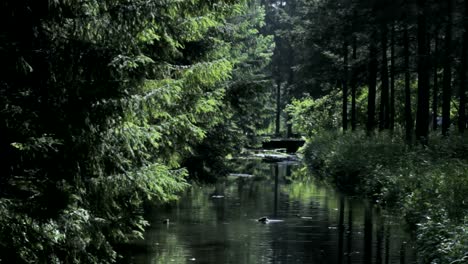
(218, 223)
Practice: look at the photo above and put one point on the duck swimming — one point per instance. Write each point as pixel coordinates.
(263, 220)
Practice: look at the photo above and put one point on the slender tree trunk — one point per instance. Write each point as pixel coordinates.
(287, 97)
(372, 84)
(392, 79)
(435, 93)
(447, 80)
(354, 72)
(278, 108)
(384, 105)
(289, 132)
(290, 83)
(422, 115)
(345, 86)
(463, 74)
(408, 112)
(353, 86)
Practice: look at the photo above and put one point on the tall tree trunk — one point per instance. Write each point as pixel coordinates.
(422, 115)
(372, 84)
(290, 93)
(289, 132)
(435, 90)
(345, 86)
(408, 112)
(447, 81)
(384, 109)
(392, 79)
(287, 98)
(463, 74)
(353, 85)
(278, 108)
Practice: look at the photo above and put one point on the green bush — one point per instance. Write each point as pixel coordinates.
(352, 159)
(310, 116)
(429, 184)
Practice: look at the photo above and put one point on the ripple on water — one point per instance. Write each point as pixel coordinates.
(218, 224)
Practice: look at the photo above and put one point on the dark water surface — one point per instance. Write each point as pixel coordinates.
(218, 223)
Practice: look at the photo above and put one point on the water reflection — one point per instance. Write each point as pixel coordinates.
(367, 233)
(341, 229)
(349, 240)
(217, 224)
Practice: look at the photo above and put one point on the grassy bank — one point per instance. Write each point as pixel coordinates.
(428, 185)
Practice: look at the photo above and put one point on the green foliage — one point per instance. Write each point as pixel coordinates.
(442, 240)
(310, 116)
(249, 91)
(242, 110)
(427, 184)
(101, 103)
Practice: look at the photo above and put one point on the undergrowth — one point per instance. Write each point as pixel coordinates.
(428, 183)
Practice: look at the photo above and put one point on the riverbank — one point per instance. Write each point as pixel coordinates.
(428, 185)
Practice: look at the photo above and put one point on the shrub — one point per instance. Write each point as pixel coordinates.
(428, 184)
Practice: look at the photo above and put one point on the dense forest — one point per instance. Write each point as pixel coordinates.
(378, 89)
(110, 106)
(103, 101)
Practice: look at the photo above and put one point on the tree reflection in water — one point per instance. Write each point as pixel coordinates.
(313, 230)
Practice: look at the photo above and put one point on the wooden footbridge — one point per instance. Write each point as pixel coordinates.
(290, 144)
